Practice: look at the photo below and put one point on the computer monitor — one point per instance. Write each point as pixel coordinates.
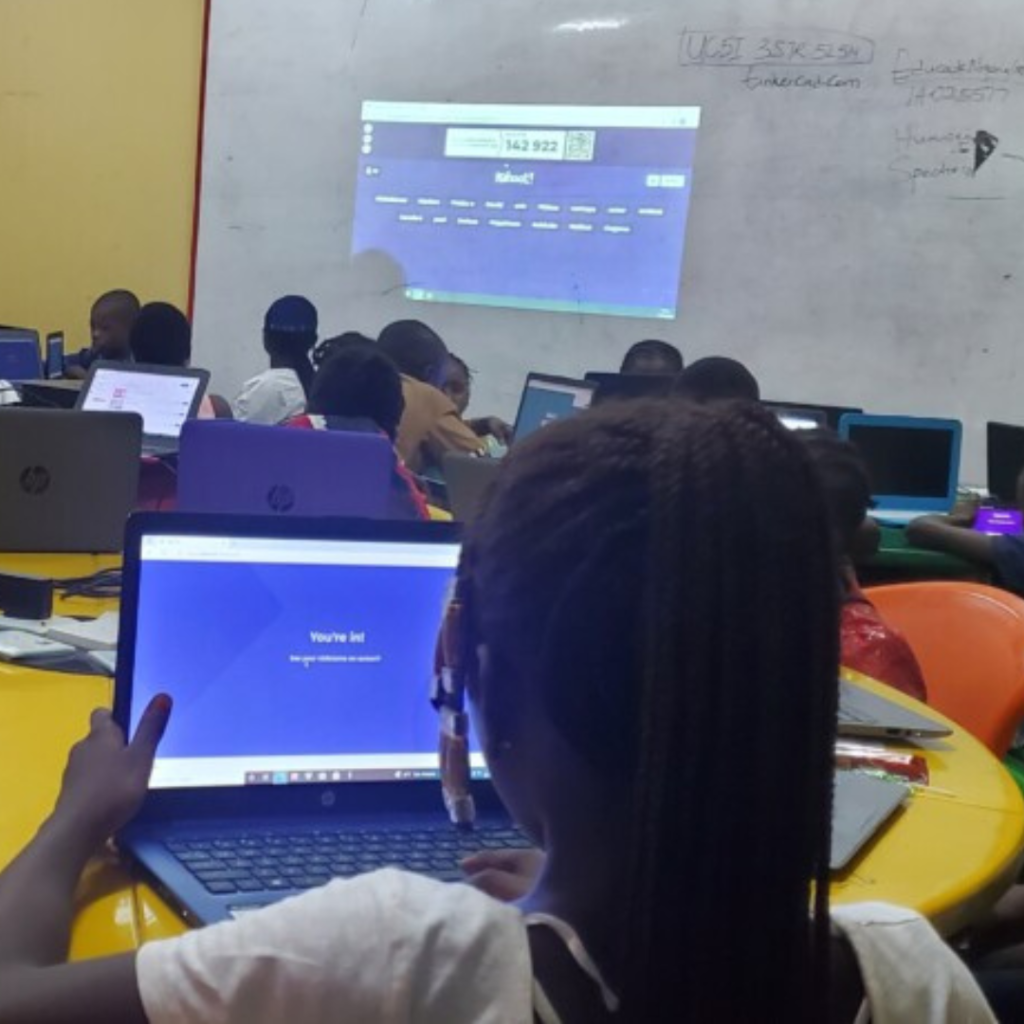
(548, 399)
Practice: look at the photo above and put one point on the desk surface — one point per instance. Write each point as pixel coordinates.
(895, 553)
(953, 849)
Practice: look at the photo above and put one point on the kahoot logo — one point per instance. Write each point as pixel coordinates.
(35, 480)
(281, 498)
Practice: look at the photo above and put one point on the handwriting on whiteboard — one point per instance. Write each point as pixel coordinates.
(757, 47)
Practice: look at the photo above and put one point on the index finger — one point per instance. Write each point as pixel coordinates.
(150, 729)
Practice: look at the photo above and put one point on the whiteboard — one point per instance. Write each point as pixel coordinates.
(840, 239)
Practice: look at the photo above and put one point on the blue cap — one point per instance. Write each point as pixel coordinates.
(291, 314)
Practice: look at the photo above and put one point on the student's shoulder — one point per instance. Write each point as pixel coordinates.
(426, 396)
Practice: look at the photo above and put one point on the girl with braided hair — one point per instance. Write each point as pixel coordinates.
(645, 624)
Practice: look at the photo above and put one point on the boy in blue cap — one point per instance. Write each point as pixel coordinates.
(280, 393)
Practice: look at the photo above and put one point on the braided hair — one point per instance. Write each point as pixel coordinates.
(664, 574)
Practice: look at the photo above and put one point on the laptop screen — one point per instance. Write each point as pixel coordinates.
(291, 660)
(545, 401)
(908, 461)
(19, 356)
(1005, 459)
(163, 400)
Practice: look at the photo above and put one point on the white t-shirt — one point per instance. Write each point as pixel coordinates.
(270, 397)
(396, 947)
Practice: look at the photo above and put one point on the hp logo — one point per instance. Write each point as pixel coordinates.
(35, 480)
(281, 498)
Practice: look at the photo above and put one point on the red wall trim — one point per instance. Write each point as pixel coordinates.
(207, 4)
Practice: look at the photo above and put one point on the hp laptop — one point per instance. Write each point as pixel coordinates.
(833, 414)
(55, 355)
(913, 462)
(68, 481)
(165, 397)
(547, 399)
(1005, 460)
(862, 713)
(274, 470)
(630, 385)
(467, 478)
(302, 745)
(19, 355)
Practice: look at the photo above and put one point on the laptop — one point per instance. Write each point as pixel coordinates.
(19, 355)
(55, 355)
(302, 746)
(467, 477)
(164, 396)
(913, 462)
(1005, 460)
(547, 399)
(863, 713)
(833, 413)
(861, 805)
(68, 481)
(50, 394)
(282, 472)
(799, 417)
(630, 385)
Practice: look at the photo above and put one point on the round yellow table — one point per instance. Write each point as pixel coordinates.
(954, 848)
(956, 845)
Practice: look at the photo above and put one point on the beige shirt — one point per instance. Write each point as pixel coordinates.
(396, 948)
(430, 427)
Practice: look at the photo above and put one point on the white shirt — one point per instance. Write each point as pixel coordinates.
(270, 397)
(396, 947)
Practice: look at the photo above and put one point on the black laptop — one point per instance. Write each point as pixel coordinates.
(1005, 460)
(804, 415)
(164, 396)
(302, 745)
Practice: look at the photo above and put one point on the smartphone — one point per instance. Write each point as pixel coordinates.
(998, 521)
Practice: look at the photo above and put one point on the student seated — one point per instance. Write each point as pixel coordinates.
(162, 336)
(458, 386)
(652, 357)
(110, 325)
(278, 394)
(868, 643)
(717, 379)
(662, 731)
(431, 425)
(1003, 555)
(357, 389)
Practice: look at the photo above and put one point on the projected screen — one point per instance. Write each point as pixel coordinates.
(561, 209)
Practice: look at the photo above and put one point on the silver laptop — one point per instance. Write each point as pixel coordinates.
(164, 396)
(68, 481)
(467, 478)
(861, 805)
(862, 713)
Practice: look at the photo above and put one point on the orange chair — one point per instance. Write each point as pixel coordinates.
(969, 639)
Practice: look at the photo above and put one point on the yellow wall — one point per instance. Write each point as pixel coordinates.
(99, 104)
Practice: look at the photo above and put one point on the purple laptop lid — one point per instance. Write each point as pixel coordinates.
(241, 468)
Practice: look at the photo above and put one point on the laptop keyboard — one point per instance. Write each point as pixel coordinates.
(276, 861)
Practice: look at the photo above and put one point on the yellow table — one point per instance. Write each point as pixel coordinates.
(955, 846)
(950, 853)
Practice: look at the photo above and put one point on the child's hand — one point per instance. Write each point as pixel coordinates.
(106, 779)
(507, 875)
